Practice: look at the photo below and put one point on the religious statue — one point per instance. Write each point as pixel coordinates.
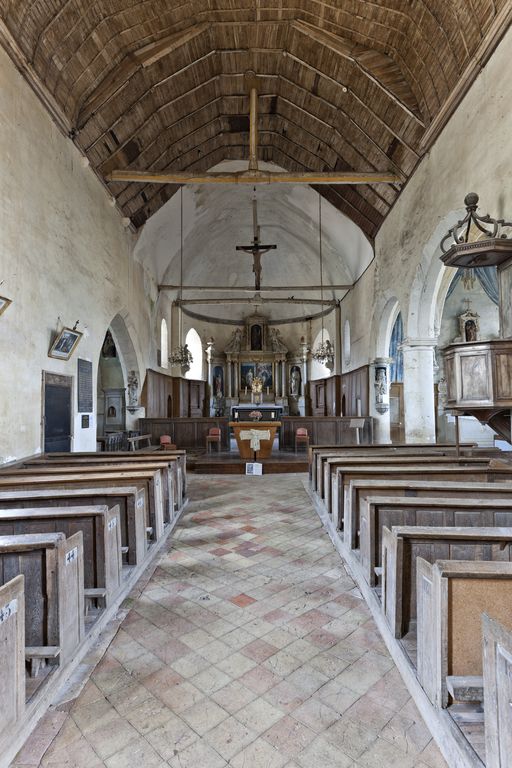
(381, 389)
(276, 342)
(295, 381)
(218, 381)
(133, 388)
(109, 348)
(234, 345)
(256, 338)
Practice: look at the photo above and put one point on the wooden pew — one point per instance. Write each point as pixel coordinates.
(175, 465)
(12, 652)
(392, 473)
(167, 475)
(53, 569)
(452, 595)
(150, 481)
(101, 530)
(466, 449)
(317, 452)
(380, 511)
(130, 500)
(330, 465)
(178, 454)
(356, 492)
(403, 544)
(497, 676)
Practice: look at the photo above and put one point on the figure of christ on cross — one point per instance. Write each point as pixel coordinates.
(256, 248)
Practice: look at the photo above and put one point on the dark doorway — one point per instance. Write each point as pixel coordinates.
(57, 412)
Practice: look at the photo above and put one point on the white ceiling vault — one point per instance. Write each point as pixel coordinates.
(217, 219)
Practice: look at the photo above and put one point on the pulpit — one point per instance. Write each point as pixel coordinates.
(255, 438)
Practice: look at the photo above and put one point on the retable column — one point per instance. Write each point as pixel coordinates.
(420, 417)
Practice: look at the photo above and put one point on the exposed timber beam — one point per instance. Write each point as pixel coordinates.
(255, 177)
(131, 63)
(250, 289)
(256, 300)
(353, 54)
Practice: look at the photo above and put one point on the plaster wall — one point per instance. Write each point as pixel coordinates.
(64, 256)
(473, 153)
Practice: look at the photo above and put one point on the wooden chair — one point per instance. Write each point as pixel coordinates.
(301, 438)
(214, 436)
(166, 443)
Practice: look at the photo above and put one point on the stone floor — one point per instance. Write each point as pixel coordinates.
(249, 647)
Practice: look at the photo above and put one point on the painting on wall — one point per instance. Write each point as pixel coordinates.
(247, 374)
(4, 303)
(264, 372)
(256, 337)
(218, 381)
(65, 344)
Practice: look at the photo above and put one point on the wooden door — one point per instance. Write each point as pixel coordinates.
(57, 399)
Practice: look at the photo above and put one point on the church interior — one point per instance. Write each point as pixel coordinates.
(256, 389)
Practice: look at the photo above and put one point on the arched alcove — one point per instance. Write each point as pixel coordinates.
(193, 341)
(164, 344)
(319, 370)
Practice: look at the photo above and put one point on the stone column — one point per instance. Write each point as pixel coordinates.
(420, 417)
(228, 376)
(283, 379)
(237, 383)
(379, 399)
(209, 354)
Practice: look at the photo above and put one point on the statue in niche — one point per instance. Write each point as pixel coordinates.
(276, 342)
(295, 381)
(234, 345)
(218, 381)
(381, 384)
(256, 338)
(133, 388)
(470, 330)
(109, 348)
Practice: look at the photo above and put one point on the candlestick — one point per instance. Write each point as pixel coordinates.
(246, 390)
(268, 389)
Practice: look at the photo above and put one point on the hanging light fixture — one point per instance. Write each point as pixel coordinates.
(181, 355)
(324, 353)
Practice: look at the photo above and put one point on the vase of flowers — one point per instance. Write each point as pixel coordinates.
(255, 415)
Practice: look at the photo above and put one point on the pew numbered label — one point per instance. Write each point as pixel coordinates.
(112, 523)
(71, 556)
(6, 611)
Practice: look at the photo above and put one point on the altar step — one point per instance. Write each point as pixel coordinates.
(226, 465)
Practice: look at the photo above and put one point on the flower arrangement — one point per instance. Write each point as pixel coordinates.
(257, 385)
(255, 415)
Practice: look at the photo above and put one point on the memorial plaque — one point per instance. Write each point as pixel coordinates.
(85, 403)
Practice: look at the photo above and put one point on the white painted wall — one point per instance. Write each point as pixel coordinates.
(64, 256)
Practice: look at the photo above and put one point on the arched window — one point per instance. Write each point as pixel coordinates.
(164, 344)
(397, 337)
(193, 342)
(319, 370)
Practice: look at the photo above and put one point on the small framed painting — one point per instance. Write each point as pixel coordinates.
(64, 344)
(4, 303)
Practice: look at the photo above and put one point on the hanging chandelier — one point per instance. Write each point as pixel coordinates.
(181, 355)
(324, 352)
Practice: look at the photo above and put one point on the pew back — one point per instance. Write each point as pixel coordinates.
(497, 661)
(12, 652)
(380, 511)
(130, 500)
(452, 595)
(403, 544)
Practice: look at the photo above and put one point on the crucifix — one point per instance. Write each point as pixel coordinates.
(256, 248)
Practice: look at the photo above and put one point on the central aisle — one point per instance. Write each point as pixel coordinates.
(249, 647)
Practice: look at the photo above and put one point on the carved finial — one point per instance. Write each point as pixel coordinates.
(471, 201)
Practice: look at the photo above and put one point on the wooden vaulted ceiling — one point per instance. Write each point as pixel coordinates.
(359, 85)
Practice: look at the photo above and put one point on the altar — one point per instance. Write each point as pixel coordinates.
(255, 438)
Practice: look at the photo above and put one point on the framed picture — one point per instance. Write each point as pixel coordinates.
(247, 374)
(264, 371)
(4, 303)
(64, 344)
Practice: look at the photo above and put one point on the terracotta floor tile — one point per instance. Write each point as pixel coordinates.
(250, 644)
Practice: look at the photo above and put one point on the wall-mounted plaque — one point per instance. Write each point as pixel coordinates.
(85, 402)
(85, 421)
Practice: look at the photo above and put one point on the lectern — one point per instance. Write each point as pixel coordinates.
(255, 438)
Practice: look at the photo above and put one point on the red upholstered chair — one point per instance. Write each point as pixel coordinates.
(166, 443)
(301, 438)
(213, 437)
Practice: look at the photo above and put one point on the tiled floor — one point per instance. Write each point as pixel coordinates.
(249, 647)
